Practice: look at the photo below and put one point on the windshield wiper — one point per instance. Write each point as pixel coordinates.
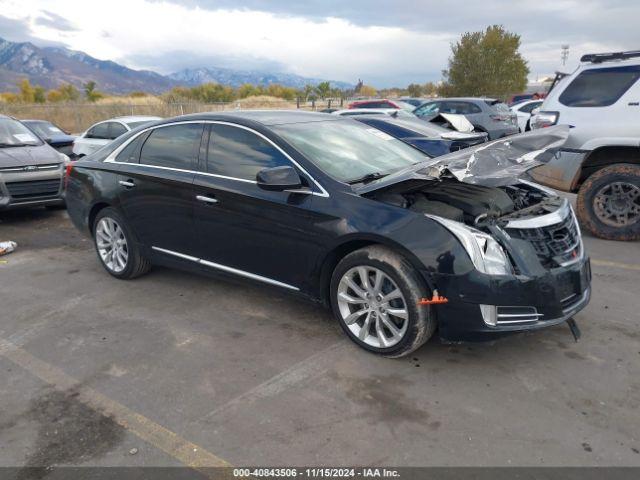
(369, 177)
(5, 145)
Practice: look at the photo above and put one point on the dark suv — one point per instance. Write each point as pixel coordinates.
(341, 212)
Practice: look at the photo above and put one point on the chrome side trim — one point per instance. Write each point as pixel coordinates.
(227, 269)
(111, 158)
(176, 254)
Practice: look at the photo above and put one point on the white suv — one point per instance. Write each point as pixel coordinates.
(601, 159)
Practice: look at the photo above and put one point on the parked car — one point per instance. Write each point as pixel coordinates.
(102, 133)
(31, 171)
(52, 134)
(486, 114)
(382, 103)
(601, 159)
(352, 112)
(430, 139)
(523, 111)
(448, 121)
(416, 102)
(523, 97)
(342, 213)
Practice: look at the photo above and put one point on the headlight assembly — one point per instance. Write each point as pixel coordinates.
(486, 254)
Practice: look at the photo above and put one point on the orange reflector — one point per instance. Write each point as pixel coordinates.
(436, 299)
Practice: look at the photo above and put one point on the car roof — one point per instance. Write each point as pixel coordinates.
(371, 111)
(467, 99)
(133, 118)
(264, 117)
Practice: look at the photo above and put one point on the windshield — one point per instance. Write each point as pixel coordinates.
(15, 134)
(407, 107)
(348, 150)
(45, 129)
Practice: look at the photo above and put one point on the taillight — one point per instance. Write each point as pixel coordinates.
(67, 173)
(544, 119)
(499, 118)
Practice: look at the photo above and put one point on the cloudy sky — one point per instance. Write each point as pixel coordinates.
(385, 43)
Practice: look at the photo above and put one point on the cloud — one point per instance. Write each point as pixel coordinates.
(384, 43)
(55, 21)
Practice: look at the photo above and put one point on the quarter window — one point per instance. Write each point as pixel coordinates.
(117, 129)
(599, 87)
(173, 147)
(131, 153)
(239, 153)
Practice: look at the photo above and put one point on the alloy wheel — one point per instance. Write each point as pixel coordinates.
(112, 244)
(618, 204)
(372, 306)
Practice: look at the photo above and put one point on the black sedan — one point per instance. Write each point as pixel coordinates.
(344, 214)
(52, 134)
(429, 138)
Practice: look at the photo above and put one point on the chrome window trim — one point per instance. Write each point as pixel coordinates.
(111, 158)
(227, 269)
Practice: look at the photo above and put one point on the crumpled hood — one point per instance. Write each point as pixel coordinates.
(497, 163)
(23, 156)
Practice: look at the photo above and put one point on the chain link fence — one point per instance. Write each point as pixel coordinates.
(77, 117)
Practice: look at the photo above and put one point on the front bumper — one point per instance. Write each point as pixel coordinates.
(557, 295)
(21, 188)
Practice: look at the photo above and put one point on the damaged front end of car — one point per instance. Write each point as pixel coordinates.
(529, 267)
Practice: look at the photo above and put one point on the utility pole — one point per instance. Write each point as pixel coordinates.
(564, 54)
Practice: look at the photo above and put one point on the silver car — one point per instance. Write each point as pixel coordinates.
(31, 171)
(486, 114)
(102, 133)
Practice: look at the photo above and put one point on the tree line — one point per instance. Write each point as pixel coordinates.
(483, 63)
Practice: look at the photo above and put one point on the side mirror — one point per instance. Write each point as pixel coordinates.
(279, 178)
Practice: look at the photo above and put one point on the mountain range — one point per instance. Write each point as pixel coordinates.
(53, 66)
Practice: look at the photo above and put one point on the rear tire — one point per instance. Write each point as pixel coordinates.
(384, 318)
(115, 245)
(608, 203)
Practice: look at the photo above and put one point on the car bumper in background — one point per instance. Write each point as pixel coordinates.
(19, 188)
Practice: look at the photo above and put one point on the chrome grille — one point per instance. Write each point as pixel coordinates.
(33, 189)
(555, 245)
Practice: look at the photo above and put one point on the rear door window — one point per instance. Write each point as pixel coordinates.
(599, 87)
(238, 153)
(175, 146)
(99, 131)
(530, 107)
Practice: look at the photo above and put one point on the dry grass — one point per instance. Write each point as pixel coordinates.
(78, 117)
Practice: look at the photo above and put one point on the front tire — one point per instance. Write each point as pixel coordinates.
(608, 203)
(374, 297)
(117, 251)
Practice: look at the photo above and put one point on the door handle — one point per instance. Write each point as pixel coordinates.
(127, 183)
(207, 200)
(634, 104)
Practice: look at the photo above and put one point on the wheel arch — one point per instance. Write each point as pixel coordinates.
(348, 245)
(93, 213)
(605, 156)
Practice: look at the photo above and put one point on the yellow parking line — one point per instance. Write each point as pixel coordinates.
(184, 451)
(606, 263)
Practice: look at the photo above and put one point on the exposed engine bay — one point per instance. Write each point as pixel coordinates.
(474, 205)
